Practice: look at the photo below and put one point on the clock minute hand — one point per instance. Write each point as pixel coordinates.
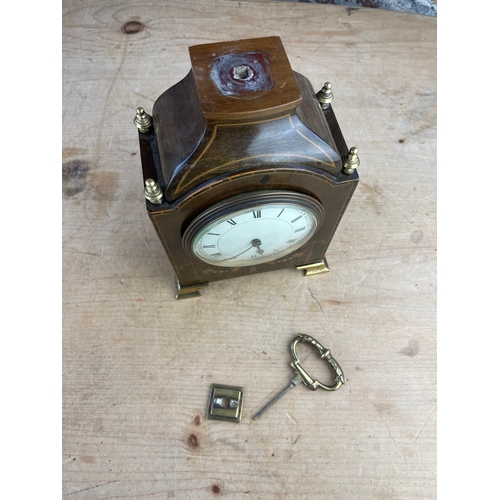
(234, 256)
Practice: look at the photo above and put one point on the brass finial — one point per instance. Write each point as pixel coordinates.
(325, 96)
(351, 161)
(142, 120)
(153, 192)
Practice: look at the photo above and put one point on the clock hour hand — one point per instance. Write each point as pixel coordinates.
(255, 243)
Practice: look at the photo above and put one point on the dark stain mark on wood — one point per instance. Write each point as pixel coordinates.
(197, 420)
(401, 141)
(412, 349)
(75, 169)
(351, 9)
(215, 489)
(75, 177)
(193, 441)
(132, 27)
(78, 178)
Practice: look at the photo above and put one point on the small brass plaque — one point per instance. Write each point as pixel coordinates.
(225, 403)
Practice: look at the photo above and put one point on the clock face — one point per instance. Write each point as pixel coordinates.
(254, 228)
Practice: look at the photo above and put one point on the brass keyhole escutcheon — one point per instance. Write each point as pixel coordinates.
(225, 403)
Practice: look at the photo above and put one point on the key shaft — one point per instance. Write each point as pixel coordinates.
(296, 380)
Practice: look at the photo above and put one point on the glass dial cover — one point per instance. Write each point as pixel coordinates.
(254, 228)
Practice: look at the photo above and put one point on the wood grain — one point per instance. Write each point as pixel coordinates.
(137, 365)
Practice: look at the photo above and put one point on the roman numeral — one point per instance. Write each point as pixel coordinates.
(208, 246)
(214, 234)
(291, 241)
(215, 254)
(231, 221)
(295, 220)
(280, 213)
(257, 214)
(300, 229)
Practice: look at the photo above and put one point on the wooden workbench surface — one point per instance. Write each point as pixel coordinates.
(137, 364)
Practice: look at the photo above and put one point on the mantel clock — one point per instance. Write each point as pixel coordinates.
(244, 165)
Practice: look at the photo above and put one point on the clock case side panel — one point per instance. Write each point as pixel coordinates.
(322, 123)
(179, 126)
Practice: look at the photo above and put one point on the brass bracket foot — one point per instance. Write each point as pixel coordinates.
(318, 267)
(187, 292)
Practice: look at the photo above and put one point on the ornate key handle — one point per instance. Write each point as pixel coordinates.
(325, 354)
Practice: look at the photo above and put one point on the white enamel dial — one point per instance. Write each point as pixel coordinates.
(256, 234)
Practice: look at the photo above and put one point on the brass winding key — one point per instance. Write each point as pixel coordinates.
(303, 376)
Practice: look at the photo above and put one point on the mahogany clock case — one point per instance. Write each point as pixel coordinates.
(200, 162)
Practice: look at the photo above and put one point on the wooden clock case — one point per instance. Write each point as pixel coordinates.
(214, 137)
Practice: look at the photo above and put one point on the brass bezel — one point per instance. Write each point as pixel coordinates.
(248, 201)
